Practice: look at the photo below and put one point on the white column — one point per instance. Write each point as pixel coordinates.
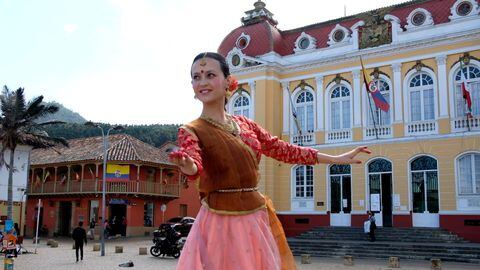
(442, 86)
(396, 29)
(397, 91)
(354, 29)
(252, 85)
(357, 91)
(319, 106)
(286, 108)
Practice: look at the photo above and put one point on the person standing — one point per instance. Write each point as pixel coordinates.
(124, 226)
(91, 231)
(224, 152)
(79, 235)
(373, 226)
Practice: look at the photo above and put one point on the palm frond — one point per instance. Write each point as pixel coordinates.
(19, 104)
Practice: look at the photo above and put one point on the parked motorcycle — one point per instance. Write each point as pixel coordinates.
(167, 242)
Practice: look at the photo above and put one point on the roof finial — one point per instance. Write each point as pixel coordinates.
(258, 14)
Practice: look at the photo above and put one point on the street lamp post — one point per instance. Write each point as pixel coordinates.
(105, 146)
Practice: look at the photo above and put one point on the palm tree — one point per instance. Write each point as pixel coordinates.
(18, 127)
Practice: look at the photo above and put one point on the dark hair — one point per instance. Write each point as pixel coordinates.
(80, 223)
(221, 60)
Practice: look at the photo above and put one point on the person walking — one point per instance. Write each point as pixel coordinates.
(79, 235)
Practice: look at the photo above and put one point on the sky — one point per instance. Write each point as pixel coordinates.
(128, 61)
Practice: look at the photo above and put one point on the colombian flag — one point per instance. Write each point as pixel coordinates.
(118, 172)
(377, 97)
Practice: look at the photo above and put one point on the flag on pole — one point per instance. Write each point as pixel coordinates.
(373, 90)
(466, 92)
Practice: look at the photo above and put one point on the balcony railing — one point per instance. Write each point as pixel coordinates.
(341, 135)
(382, 132)
(95, 187)
(304, 139)
(421, 128)
(462, 124)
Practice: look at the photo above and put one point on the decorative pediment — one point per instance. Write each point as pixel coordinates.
(462, 9)
(305, 42)
(419, 17)
(236, 59)
(339, 34)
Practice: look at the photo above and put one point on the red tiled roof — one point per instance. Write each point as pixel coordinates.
(122, 148)
(264, 37)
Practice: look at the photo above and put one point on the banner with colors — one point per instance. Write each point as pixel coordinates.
(118, 172)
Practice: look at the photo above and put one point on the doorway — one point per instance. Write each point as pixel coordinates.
(64, 218)
(118, 212)
(380, 191)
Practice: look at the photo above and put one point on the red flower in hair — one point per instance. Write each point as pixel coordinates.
(233, 84)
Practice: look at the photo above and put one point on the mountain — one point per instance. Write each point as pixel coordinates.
(63, 114)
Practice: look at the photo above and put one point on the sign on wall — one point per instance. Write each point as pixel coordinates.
(374, 202)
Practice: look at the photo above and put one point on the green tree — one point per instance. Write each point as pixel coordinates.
(18, 126)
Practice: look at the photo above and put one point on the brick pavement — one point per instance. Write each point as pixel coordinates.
(63, 257)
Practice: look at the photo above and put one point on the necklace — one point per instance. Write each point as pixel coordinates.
(230, 126)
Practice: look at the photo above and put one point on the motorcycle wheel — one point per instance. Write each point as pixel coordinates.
(176, 254)
(155, 251)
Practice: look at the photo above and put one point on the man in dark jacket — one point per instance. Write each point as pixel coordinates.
(79, 235)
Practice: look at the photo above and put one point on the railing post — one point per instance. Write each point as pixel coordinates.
(96, 185)
(138, 184)
(42, 186)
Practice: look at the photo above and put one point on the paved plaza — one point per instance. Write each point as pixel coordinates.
(63, 257)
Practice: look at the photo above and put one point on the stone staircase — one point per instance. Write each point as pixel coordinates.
(405, 243)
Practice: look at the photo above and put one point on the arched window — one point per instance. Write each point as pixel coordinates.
(340, 189)
(421, 97)
(304, 181)
(381, 118)
(304, 109)
(340, 108)
(472, 76)
(241, 106)
(469, 174)
(424, 177)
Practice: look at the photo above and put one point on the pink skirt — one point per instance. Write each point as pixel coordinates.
(242, 242)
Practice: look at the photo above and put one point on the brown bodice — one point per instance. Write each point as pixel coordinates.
(228, 164)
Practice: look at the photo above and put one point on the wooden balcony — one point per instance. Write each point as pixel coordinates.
(88, 187)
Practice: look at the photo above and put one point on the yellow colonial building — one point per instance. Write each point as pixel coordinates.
(425, 166)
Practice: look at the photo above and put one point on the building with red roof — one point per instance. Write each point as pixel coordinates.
(425, 166)
(139, 180)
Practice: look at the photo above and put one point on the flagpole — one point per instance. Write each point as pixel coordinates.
(295, 119)
(464, 78)
(369, 99)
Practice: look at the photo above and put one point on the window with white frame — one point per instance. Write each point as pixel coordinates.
(424, 177)
(381, 118)
(304, 181)
(304, 109)
(340, 189)
(340, 107)
(421, 97)
(472, 76)
(241, 106)
(469, 174)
